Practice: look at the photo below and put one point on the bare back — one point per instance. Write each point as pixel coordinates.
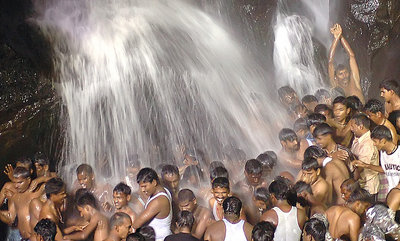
(343, 221)
(335, 174)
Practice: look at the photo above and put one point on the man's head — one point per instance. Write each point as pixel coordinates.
(25, 163)
(300, 127)
(289, 140)
(278, 190)
(232, 206)
(41, 164)
(193, 175)
(323, 135)
(220, 189)
(314, 230)
(218, 171)
(135, 237)
(85, 176)
(340, 109)
(313, 120)
(342, 75)
(375, 110)
(121, 195)
(85, 205)
(389, 88)
(381, 136)
(148, 233)
(170, 177)
(261, 198)
(263, 231)
(310, 101)
(148, 181)
(323, 110)
(121, 224)
(347, 187)
(310, 170)
(359, 124)
(323, 96)
(253, 171)
(22, 179)
(184, 219)
(360, 200)
(315, 152)
(45, 230)
(55, 190)
(288, 96)
(302, 190)
(187, 200)
(268, 160)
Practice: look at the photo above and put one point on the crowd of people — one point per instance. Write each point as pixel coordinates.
(336, 177)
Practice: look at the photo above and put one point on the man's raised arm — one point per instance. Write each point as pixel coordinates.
(336, 31)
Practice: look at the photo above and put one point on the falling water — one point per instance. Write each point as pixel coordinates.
(145, 77)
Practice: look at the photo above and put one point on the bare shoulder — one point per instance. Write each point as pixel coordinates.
(270, 216)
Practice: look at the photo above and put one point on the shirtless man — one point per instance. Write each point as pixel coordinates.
(393, 198)
(18, 205)
(311, 174)
(158, 208)
(202, 216)
(288, 220)
(96, 222)
(288, 96)
(345, 220)
(341, 113)
(120, 224)
(306, 200)
(231, 227)
(292, 150)
(170, 178)
(54, 206)
(334, 171)
(45, 230)
(121, 198)
(41, 163)
(390, 91)
(341, 77)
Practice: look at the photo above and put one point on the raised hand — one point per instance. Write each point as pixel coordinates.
(9, 171)
(336, 30)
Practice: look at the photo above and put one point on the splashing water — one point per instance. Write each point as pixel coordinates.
(144, 77)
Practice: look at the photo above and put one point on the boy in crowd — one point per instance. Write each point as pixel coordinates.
(184, 223)
(202, 216)
(231, 227)
(306, 200)
(41, 163)
(220, 191)
(314, 229)
(263, 231)
(311, 174)
(390, 91)
(121, 198)
(309, 101)
(253, 178)
(97, 223)
(340, 121)
(170, 178)
(45, 230)
(120, 224)
(288, 96)
(292, 150)
(348, 187)
(261, 200)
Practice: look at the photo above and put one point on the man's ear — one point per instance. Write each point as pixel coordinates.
(128, 197)
(195, 201)
(348, 110)
(318, 171)
(46, 167)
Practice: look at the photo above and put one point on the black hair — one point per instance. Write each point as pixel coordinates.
(314, 152)
(185, 219)
(195, 171)
(390, 84)
(361, 119)
(263, 231)
(218, 172)
(87, 199)
(47, 229)
(310, 164)
(354, 103)
(148, 233)
(135, 237)
(339, 100)
(220, 182)
(300, 187)
(287, 134)
(323, 107)
(261, 194)
(41, 159)
(340, 67)
(253, 166)
(26, 161)
(285, 90)
(323, 129)
(361, 195)
(381, 132)
(232, 205)
(316, 228)
(147, 175)
(320, 93)
(169, 170)
(84, 168)
(279, 189)
(186, 195)
(374, 106)
(350, 184)
(122, 187)
(215, 164)
(315, 119)
(309, 99)
(21, 172)
(267, 160)
(118, 219)
(300, 124)
(79, 193)
(54, 186)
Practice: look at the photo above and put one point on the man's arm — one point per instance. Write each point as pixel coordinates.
(149, 213)
(393, 200)
(362, 164)
(248, 228)
(202, 225)
(337, 32)
(90, 228)
(354, 227)
(270, 216)
(355, 74)
(8, 216)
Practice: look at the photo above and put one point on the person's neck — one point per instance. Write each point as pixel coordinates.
(395, 100)
(389, 148)
(184, 230)
(113, 236)
(331, 147)
(364, 131)
(232, 218)
(281, 203)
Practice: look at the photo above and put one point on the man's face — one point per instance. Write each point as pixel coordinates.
(378, 143)
(84, 212)
(291, 145)
(345, 193)
(261, 205)
(133, 171)
(386, 94)
(148, 188)
(220, 194)
(171, 181)
(187, 205)
(123, 230)
(253, 179)
(60, 197)
(340, 112)
(120, 199)
(323, 140)
(22, 184)
(85, 180)
(290, 99)
(41, 169)
(375, 117)
(342, 77)
(310, 176)
(311, 105)
(356, 129)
